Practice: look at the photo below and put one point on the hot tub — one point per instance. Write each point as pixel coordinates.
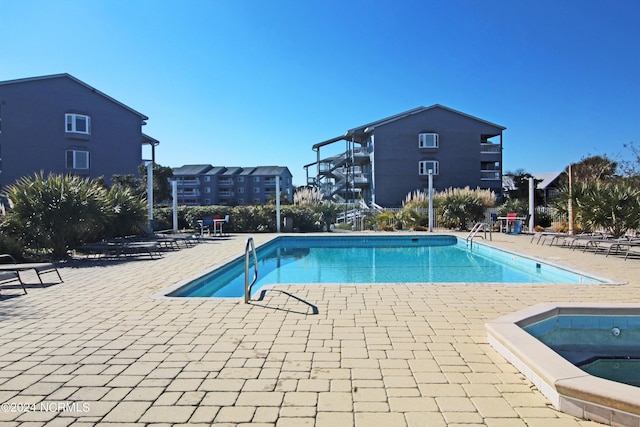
(570, 389)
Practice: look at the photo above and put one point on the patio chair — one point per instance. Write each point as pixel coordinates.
(8, 277)
(39, 268)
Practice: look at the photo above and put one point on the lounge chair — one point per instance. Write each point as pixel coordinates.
(39, 268)
(543, 235)
(614, 246)
(8, 277)
(120, 247)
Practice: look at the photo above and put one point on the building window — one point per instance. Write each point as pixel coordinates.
(428, 140)
(207, 179)
(207, 201)
(207, 189)
(425, 165)
(256, 190)
(77, 123)
(256, 179)
(241, 190)
(241, 179)
(77, 159)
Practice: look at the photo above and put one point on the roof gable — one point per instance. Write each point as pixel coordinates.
(79, 82)
(371, 126)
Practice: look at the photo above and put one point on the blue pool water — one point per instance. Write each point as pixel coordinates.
(376, 259)
(601, 345)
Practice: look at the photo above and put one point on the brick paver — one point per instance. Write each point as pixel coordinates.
(393, 355)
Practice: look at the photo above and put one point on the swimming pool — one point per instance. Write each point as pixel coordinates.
(376, 260)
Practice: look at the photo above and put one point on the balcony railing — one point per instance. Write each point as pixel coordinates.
(189, 181)
(490, 148)
(188, 192)
(489, 175)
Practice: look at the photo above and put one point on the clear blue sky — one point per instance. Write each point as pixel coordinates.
(258, 82)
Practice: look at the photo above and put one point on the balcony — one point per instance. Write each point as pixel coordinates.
(490, 148)
(188, 192)
(188, 182)
(490, 175)
(225, 181)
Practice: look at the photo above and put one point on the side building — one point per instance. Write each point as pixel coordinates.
(59, 124)
(202, 185)
(385, 160)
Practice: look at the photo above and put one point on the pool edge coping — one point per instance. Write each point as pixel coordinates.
(164, 293)
(568, 388)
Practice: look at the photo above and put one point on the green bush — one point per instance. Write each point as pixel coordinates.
(50, 215)
(124, 212)
(613, 206)
(457, 207)
(55, 213)
(251, 219)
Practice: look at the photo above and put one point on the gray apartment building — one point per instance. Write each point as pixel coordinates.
(59, 124)
(385, 160)
(202, 185)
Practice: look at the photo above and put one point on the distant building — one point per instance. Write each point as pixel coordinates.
(219, 185)
(387, 159)
(548, 185)
(59, 124)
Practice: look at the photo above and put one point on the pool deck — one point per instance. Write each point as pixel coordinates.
(99, 350)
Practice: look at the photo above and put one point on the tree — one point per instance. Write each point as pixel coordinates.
(520, 191)
(591, 169)
(161, 186)
(138, 185)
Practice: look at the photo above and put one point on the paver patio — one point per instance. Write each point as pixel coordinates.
(99, 350)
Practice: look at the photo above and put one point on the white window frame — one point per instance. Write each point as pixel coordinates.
(425, 165)
(428, 140)
(241, 190)
(207, 189)
(75, 159)
(256, 179)
(256, 190)
(71, 123)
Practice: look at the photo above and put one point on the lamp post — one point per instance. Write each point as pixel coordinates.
(150, 191)
(570, 203)
(277, 204)
(532, 204)
(174, 197)
(430, 200)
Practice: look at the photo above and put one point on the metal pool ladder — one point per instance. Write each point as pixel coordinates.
(250, 248)
(479, 226)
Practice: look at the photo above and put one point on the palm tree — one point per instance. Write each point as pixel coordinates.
(54, 213)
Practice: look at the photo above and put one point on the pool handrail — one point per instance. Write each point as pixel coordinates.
(249, 248)
(479, 226)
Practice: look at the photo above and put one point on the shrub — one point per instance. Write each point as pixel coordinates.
(613, 206)
(54, 213)
(384, 220)
(124, 212)
(457, 207)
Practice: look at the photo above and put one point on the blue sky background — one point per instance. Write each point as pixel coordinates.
(257, 82)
